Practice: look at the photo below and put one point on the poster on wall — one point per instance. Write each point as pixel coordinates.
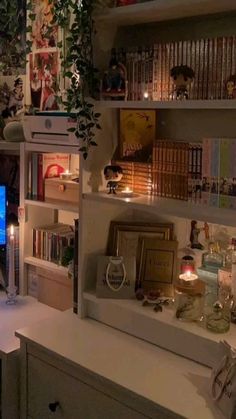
(44, 70)
(44, 35)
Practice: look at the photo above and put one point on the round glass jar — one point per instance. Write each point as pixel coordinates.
(187, 264)
(218, 321)
(189, 300)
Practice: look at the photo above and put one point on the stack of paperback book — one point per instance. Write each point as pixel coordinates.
(219, 172)
(137, 176)
(51, 241)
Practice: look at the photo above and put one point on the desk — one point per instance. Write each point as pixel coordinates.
(25, 312)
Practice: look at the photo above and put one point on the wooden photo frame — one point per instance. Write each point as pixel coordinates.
(157, 264)
(124, 236)
(137, 131)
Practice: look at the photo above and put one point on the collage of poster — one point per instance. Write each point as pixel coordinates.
(44, 59)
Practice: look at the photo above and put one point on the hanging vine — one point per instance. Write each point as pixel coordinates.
(74, 17)
(12, 36)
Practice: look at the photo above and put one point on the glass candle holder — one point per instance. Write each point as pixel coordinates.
(189, 300)
(218, 320)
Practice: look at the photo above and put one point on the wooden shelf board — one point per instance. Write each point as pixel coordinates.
(53, 204)
(161, 10)
(171, 104)
(30, 260)
(189, 339)
(171, 207)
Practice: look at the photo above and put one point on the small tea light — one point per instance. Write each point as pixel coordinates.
(66, 175)
(127, 192)
(188, 276)
(145, 96)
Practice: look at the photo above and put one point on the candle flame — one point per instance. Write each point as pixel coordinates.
(188, 273)
(12, 230)
(67, 171)
(145, 95)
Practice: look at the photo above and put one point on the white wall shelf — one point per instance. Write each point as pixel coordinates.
(171, 104)
(172, 207)
(40, 263)
(53, 204)
(162, 329)
(160, 10)
(51, 148)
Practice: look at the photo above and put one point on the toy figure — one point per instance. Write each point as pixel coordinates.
(182, 76)
(195, 231)
(231, 87)
(114, 79)
(113, 174)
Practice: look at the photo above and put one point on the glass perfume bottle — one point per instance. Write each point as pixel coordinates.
(189, 300)
(213, 259)
(218, 320)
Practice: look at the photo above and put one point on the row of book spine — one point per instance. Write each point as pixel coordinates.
(213, 61)
(136, 175)
(175, 171)
(170, 169)
(51, 241)
(219, 172)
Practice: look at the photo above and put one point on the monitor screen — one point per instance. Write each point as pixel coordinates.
(3, 210)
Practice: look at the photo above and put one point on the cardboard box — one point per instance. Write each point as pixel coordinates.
(54, 289)
(62, 190)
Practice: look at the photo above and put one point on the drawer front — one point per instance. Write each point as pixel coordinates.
(55, 394)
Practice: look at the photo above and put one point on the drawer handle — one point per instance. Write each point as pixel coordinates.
(53, 406)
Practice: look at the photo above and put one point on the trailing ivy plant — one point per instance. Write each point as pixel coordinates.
(12, 36)
(74, 17)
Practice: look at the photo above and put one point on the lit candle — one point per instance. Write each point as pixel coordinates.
(188, 276)
(145, 96)
(11, 270)
(127, 192)
(66, 175)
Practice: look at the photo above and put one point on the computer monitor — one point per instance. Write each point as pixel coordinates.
(3, 215)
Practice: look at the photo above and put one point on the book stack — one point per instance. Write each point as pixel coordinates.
(170, 169)
(195, 173)
(137, 176)
(51, 241)
(44, 165)
(148, 68)
(219, 172)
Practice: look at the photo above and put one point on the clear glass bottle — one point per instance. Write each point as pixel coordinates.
(189, 300)
(218, 320)
(213, 259)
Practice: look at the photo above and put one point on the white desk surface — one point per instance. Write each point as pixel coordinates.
(25, 312)
(166, 379)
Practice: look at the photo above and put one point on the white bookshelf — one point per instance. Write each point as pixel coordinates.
(188, 120)
(53, 204)
(57, 269)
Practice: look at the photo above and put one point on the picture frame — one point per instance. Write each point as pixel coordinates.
(137, 131)
(124, 236)
(157, 269)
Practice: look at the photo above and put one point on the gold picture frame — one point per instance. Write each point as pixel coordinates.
(124, 236)
(157, 264)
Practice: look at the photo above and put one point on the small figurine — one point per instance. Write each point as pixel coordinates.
(114, 80)
(195, 231)
(182, 76)
(113, 174)
(231, 87)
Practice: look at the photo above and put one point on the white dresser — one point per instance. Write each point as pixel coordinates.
(81, 369)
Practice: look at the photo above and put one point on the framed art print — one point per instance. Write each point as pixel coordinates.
(124, 236)
(157, 268)
(137, 131)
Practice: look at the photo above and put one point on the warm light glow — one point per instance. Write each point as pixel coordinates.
(188, 276)
(67, 172)
(127, 189)
(12, 230)
(145, 95)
